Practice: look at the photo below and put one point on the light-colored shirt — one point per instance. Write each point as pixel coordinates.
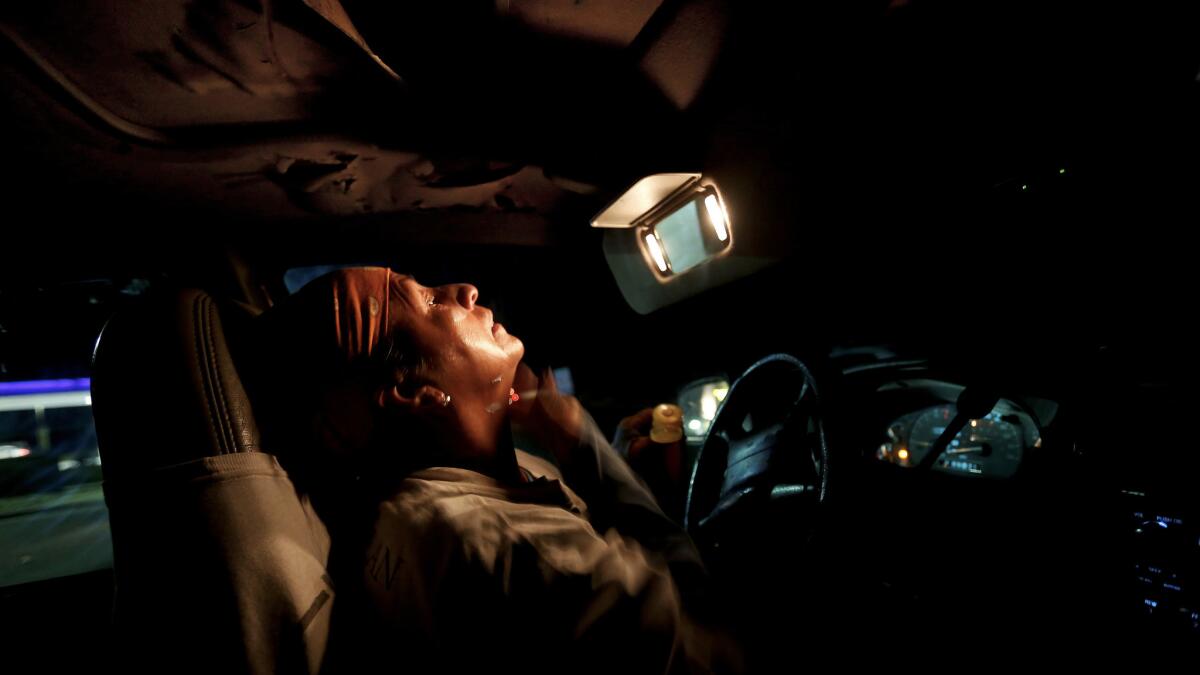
(466, 571)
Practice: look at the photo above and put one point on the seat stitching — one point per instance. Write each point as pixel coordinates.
(218, 385)
(202, 367)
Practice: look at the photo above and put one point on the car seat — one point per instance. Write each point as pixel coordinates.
(220, 564)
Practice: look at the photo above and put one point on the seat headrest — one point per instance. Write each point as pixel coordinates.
(165, 386)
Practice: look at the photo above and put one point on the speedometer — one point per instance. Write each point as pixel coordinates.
(991, 446)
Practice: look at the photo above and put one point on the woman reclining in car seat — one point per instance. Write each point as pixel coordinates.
(470, 553)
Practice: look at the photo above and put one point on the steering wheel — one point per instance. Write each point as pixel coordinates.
(767, 442)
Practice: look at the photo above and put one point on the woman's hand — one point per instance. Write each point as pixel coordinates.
(553, 419)
(633, 434)
(660, 465)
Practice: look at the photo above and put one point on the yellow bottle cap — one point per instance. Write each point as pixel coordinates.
(667, 426)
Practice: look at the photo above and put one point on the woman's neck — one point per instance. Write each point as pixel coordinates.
(481, 440)
(483, 445)
(502, 465)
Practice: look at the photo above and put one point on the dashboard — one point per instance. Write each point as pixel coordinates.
(1165, 546)
(992, 446)
(1129, 562)
(1073, 519)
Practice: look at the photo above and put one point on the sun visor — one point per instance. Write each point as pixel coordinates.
(672, 236)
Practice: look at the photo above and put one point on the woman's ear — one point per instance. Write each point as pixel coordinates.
(426, 398)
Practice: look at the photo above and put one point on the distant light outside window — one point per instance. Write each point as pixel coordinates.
(565, 381)
(700, 402)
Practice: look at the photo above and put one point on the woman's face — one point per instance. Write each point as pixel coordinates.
(464, 348)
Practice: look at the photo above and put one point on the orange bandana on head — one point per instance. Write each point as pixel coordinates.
(360, 309)
(312, 340)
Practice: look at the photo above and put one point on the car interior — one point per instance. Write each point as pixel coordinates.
(915, 272)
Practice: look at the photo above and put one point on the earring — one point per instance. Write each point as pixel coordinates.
(445, 400)
(513, 396)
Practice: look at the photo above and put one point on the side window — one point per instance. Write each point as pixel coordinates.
(297, 277)
(53, 519)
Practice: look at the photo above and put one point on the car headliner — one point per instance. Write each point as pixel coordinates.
(869, 136)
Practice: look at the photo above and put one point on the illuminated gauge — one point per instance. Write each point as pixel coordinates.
(991, 446)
